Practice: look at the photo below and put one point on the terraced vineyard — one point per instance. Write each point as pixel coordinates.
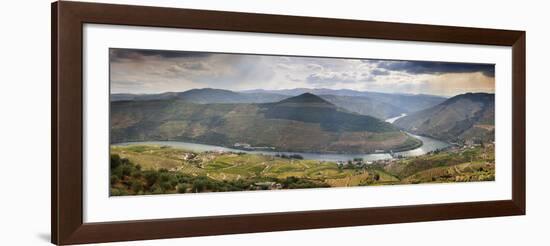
(228, 166)
(242, 171)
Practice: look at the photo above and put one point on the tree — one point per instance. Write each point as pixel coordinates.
(151, 178)
(115, 161)
(199, 185)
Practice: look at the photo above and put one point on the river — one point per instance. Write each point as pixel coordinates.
(428, 144)
(391, 120)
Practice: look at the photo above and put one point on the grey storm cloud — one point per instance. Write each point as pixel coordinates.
(426, 67)
(379, 72)
(116, 54)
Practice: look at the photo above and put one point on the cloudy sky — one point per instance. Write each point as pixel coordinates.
(152, 71)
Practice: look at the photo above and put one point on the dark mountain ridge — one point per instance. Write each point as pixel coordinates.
(306, 98)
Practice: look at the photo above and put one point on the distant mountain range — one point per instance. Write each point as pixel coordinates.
(464, 117)
(379, 105)
(204, 96)
(406, 102)
(305, 123)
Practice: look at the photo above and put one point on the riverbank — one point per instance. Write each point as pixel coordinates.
(410, 143)
(427, 145)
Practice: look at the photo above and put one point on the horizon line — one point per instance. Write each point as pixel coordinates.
(304, 88)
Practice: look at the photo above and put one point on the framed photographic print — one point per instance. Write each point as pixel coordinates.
(174, 122)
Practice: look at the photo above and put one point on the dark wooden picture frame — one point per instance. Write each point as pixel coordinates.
(67, 122)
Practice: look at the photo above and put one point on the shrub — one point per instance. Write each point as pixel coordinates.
(117, 172)
(136, 186)
(126, 170)
(136, 174)
(166, 186)
(113, 179)
(117, 192)
(156, 189)
(182, 188)
(164, 177)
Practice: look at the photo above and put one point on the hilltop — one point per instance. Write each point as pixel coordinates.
(310, 108)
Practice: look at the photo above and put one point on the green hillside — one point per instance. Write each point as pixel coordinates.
(464, 117)
(305, 123)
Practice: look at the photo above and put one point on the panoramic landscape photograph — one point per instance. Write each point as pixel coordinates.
(195, 122)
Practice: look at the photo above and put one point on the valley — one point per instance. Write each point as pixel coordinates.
(190, 121)
(209, 140)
